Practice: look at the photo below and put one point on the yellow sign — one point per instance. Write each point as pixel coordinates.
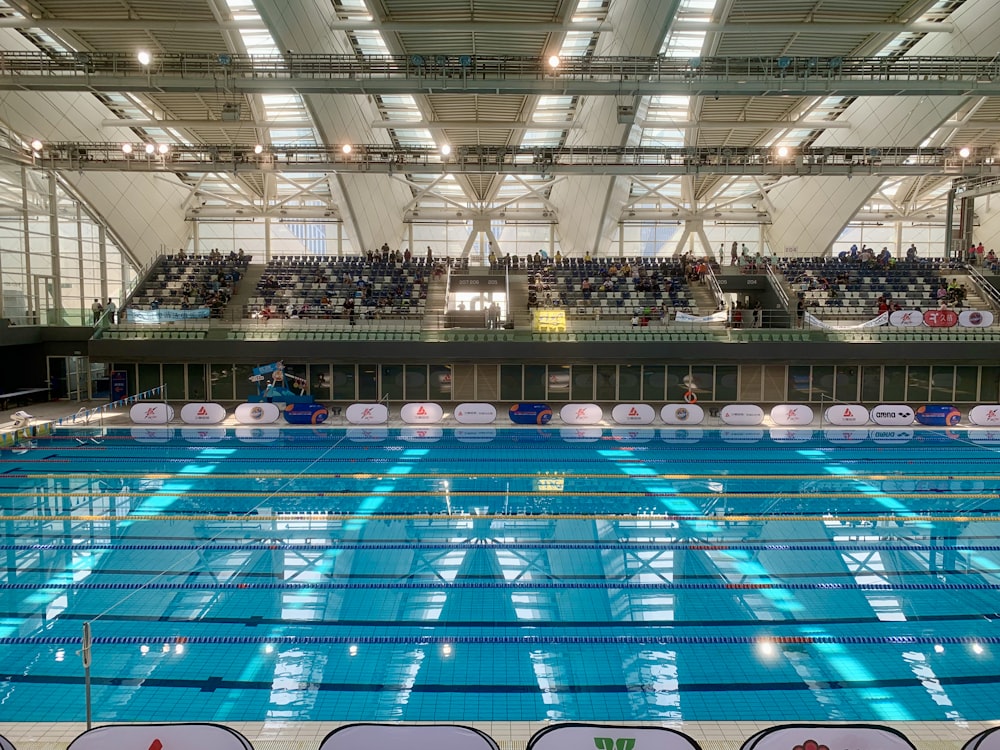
(550, 321)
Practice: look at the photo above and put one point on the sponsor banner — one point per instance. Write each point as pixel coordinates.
(421, 434)
(845, 437)
(530, 413)
(986, 415)
(846, 415)
(151, 412)
(626, 435)
(581, 434)
(741, 414)
(741, 436)
(718, 317)
(367, 413)
(308, 413)
(119, 385)
(203, 434)
(983, 437)
(785, 435)
(475, 434)
(203, 413)
(940, 318)
(421, 413)
(975, 318)
(682, 414)
(891, 437)
(682, 437)
(855, 737)
(788, 415)
(152, 434)
(633, 414)
(938, 415)
(581, 414)
(892, 415)
(257, 434)
(262, 413)
(875, 322)
(379, 736)
(581, 736)
(475, 413)
(166, 736)
(166, 316)
(367, 434)
(906, 318)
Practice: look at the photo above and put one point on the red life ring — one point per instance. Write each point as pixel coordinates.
(690, 397)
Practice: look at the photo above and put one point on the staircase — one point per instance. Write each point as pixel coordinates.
(236, 309)
(703, 300)
(434, 306)
(517, 304)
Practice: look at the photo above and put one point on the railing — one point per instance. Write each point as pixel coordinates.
(713, 284)
(778, 284)
(988, 290)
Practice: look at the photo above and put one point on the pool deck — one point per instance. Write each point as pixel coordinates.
(711, 735)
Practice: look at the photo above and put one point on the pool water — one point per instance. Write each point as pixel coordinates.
(482, 574)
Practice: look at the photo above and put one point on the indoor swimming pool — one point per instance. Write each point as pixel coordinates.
(429, 574)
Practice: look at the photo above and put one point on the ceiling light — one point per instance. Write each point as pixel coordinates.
(163, 148)
(36, 145)
(964, 152)
(346, 148)
(258, 149)
(150, 148)
(126, 148)
(782, 152)
(446, 149)
(554, 61)
(144, 57)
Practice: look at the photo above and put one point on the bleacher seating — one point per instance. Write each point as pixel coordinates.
(203, 281)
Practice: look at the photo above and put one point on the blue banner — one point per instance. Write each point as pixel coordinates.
(119, 384)
(166, 316)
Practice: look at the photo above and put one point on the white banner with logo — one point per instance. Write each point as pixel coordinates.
(892, 415)
(789, 415)
(880, 320)
(682, 414)
(262, 413)
(475, 413)
(975, 318)
(906, 318)
(367, 413)
(602, 737)
(166, 736)
(581, 414)
(846, 415)
(633, 414)
(741, 414)
(718, 317)
(985, 415)
(149, 412)
(382, 736)
(203, 413)
(421, 413)
(853, 736)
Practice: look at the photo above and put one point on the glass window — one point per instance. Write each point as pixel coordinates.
(319, 382)
(702, 377)
(221, 377)
(244, 386)
(966, 383)
(798, 383)
(416, 382)
(559, 382)
(344, 383)
(607, 383)
(942, 383)
(726, 383)
(196, 382)
(918, 383)
(510, 382)
(392, 382)
(989, 384)
(440, 383)
(368, 383)
(893, 384)
(130, 381)
(149, 378)
(871, 384)
(652, 382)
(846, 383)
(822, 383)
(534, 382)
(173, 378)
(583, 383)
(630, 383)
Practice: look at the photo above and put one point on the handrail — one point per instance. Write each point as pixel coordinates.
(715, 286)
(777, 285)
(984, 285)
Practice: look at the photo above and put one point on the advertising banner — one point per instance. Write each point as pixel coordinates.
(855, 737)
(789, 415)
(682, 437)
(892, 415)
(119, 385)
(718, 317)
(583, 736)
(938, 415)
(986, 415)
(307, 413)
(420, 434)
(367, 413)
(975, 318)
(203, 413)
(262, 413)
(166, 316)
(847, 415)
(475, 434)
(530, 413)
(815, 322)
(906, 318)
(633, 414)
(165, 736)
(581, 434)
(940, 318)
(741, 414)
(421, 413)
(682, 414)
(383, 736)
(845, 437)
(151, 412)
(475, 413)
(581, 414)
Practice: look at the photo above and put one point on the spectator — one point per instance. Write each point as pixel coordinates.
(96, 308)
(111, 309)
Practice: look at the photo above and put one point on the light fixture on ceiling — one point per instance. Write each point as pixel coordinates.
(554, 61)
(346, 148)
(445, 149)
(144, 57)
(36, 145)
(126, 148)
(964, 152)
(150, 148)
(258, 149)
(782, 152)
(163, 148)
